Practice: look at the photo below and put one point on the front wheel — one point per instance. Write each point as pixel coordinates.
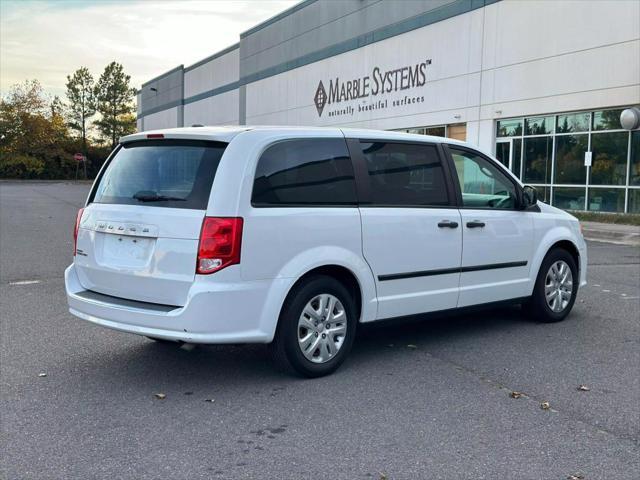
(316, 328)
(556, 287)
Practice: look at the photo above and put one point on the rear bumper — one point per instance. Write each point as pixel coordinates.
(234, 312)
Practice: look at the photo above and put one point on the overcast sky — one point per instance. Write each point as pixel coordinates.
(48, 40)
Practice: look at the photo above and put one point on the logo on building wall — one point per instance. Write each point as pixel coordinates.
(320, 98)
(379, 90)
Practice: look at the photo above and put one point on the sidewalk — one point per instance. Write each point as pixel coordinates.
(609, 232)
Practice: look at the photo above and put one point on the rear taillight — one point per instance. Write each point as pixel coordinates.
(75, 230)
(220, 240)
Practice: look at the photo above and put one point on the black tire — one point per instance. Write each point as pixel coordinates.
(536, 307)
(285, 349)
(164, 342)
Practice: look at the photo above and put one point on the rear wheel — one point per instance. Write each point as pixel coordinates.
(316, 328)
(556, 287)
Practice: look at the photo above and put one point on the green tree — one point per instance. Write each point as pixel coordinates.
(80, 92)
(34, 139)
(114, 103)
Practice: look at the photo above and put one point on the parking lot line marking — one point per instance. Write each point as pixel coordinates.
(24, 282)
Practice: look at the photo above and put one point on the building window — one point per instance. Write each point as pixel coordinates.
(606, 199)
(634, 173)
(538, 125)
(609, 164)
(549, 153)
(569, 198)
(634, 200)
(454, 130)
(569, 168)
(510, 128)
(537, 159)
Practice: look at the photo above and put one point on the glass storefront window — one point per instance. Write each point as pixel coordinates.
(569, 198)
(540, 147)
(634, 200)
(502, 153)
(570, 151)
(574, 122)
(418, 131)
(609, 162)
(544, 193)
(517, 155)
(436, 131)
(538, 125)
(634, 174)
(607, 120)
(509, 128)
(606, 199)
(537, 159)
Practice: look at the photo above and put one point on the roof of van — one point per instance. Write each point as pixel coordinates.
(227, 133)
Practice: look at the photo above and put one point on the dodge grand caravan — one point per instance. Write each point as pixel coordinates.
(292, 236)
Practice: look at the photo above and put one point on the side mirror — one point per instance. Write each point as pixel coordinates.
(529, 197)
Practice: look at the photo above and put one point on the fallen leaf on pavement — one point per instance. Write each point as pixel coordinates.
(160, 396)
(576, 476)
(515, 394)
(42, 374)
(583, 388)
(210, 400)
(545, 406)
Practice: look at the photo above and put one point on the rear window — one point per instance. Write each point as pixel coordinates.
(307, 172)
(161, 173)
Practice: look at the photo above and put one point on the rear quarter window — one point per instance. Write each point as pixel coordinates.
(305, 172)
(160, 173)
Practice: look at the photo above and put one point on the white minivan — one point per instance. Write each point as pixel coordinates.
(292, 236)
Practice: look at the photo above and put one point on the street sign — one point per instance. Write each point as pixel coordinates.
(78, 157)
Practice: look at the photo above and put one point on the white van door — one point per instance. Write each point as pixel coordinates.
(497, 236)
(411, 233)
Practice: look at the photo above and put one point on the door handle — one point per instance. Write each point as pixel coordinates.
(447, 224)
(475, 224)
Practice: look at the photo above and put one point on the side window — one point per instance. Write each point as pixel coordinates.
(314, 171)
(483, 185)
(403, 174)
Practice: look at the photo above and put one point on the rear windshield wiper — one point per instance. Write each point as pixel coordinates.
(154, 197)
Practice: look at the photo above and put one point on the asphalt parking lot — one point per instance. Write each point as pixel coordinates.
(429, 399)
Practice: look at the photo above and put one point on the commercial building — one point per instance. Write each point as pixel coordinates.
(541, 84)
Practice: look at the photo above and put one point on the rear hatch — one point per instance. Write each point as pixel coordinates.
(138, 236)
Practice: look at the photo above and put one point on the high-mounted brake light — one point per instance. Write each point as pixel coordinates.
(155, 135)
(220, 241)
(75, 230)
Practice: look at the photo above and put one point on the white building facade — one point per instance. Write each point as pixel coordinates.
(541, 84)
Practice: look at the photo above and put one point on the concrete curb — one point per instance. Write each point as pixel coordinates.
(612, 233)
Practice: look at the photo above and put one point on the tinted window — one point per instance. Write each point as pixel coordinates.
(162, 173)
(305, 172)
(405, 174)
(483, 185)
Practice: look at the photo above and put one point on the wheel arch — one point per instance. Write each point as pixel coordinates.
(570, 247)
(341, 273)
(559, 237)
